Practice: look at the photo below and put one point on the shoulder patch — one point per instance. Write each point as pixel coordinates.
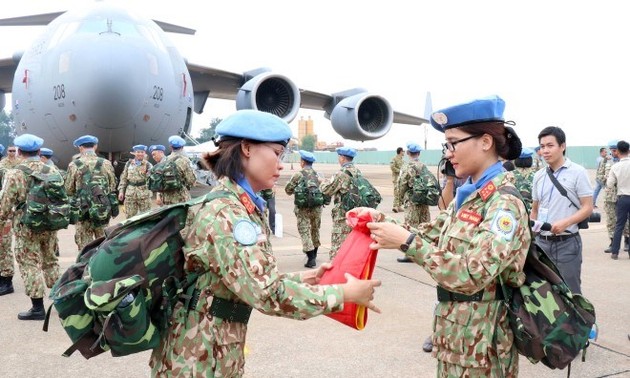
(504, 224)
(245, 232)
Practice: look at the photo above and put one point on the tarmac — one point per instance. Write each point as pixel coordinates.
(389, 346)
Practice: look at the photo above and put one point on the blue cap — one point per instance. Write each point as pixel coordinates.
(307, 156)
(28, 142)
(176, 141)
(347, 151)
(477, 111)
(85, 140)
(139, 147)
(255, 125)
(1, 148)
(613, 144)
(414, 148)
(46, 152)
(158, 147)
(526, 152)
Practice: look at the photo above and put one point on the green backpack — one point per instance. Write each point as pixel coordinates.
(164, 176)
(425, 189)
(551, 324)
(93, 200)
(47, 206)
(361, 194)
(307, 194)
(120, 293)
(524, 184)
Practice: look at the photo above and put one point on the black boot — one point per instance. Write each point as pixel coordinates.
(626, 243)
(6, 285)
(609, 249)
(37, 312)
(310, 263)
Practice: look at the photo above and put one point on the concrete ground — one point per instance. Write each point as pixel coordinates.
(390, 345)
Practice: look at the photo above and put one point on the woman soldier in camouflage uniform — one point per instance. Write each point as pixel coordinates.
(228, 245)
(483, 234)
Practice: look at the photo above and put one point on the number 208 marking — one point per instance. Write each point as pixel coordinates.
(59, 92)
(158, 93)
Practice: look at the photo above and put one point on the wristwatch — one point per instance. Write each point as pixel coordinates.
(404, 247)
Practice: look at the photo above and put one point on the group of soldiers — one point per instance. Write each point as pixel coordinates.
(36, 251)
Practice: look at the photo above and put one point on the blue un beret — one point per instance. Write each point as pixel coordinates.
(347, 151)
(176, 141)
(307, 156)
(139, 147)
(46, 152)
(613, 144)
(28, 142)
(85, 139)
(477, 111)
(526, 152)
(255, 125)
(158, 147)
(1, 148)
(414, 148)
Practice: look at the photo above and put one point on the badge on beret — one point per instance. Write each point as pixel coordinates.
(245, 232)
(504, 224)
(440, 118)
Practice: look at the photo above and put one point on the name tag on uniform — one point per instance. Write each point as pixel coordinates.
(469, 217)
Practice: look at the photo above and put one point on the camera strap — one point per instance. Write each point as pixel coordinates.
(560, 188)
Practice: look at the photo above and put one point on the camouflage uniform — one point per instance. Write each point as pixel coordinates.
(610, 203)
(199, 344)
(133, 185)
(524, 179)
(338, 185)
(414, 213)
(34, 250)
(395, 165)
(309, 219)
(182, 194)
(465, 251)
(85, 231)
(7, 226)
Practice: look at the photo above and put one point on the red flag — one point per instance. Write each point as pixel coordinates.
(354, 257)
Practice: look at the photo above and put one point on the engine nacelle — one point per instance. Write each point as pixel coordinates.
(271, 93)
(362, 117)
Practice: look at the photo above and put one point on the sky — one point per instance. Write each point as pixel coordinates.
(560, 63)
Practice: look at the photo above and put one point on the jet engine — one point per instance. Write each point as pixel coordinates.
(362, 116)
(271, 93)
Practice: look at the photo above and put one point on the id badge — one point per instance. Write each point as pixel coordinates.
(543, 214)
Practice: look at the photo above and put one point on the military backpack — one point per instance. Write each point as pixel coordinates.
(47, 206)
(551, 324)
(307, 194)
(93, 200)
(120, 293)
(164, 176)
(523, 183)
(361, 193)
(425, 189)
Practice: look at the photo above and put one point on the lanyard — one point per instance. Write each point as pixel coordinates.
(542, 189)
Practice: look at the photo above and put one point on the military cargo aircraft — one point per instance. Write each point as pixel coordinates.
(108, 72)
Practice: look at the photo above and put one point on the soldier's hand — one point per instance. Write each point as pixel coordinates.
(121, 197)
(360, 292)
(312, 276)
(387, 235)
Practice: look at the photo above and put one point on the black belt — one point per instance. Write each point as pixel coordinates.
(143, 183)
(444, 295)
(220, 308)
(557, 237)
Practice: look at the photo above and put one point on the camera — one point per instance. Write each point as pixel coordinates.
(593, 218)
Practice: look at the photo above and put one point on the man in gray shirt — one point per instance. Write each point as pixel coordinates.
(563, 243)
(620, 177)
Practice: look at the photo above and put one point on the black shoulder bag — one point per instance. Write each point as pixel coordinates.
(584, 223)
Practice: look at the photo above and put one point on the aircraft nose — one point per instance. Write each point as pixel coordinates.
(110, 83)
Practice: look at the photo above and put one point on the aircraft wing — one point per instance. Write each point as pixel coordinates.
(214, 83)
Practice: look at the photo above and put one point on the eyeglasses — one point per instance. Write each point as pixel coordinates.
(279, 153)
(450, 146)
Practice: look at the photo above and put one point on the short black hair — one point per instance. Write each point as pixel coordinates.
(623, 147)
(556, 132)
(399, 150)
